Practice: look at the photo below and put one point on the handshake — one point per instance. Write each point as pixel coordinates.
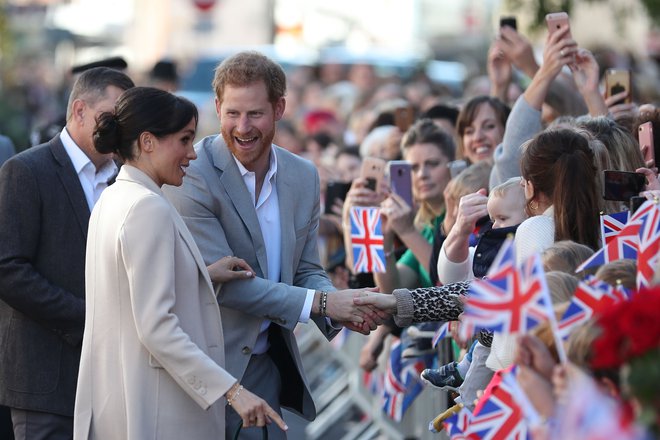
(360, 310)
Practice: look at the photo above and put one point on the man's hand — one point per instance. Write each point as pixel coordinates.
(341, 307)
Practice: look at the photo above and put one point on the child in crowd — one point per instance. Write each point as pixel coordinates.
(506, 209)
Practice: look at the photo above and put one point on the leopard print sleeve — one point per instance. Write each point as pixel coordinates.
(440, 303)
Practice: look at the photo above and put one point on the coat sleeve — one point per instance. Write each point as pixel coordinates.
(277, 302)
(147, 243)
(21, 285)
(429, 303)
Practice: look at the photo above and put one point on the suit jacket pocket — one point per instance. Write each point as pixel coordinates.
(153, 362)
(36, 354)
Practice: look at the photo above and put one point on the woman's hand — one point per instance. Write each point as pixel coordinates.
(500, 71)
(381, 301)
(399, 216)
(471, 208)
(652, 182)
(560, 50)
(619, 110)
(518, 50)
(586, 75)
(229, 268)
(253, 409)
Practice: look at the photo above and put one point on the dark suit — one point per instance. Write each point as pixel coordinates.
(43, 231)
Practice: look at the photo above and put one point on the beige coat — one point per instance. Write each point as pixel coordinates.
(152, 354)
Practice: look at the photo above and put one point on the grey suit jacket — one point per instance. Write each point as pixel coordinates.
(43, 229)
(217, 208)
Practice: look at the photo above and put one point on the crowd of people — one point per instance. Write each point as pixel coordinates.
(150, 286)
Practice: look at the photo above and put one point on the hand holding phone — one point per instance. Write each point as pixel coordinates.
(334, 192)
(556, 21)
(617, 81)
(400, 175)
(373, 169)
(646, 146)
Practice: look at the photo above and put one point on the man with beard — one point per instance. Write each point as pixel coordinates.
(245, 196)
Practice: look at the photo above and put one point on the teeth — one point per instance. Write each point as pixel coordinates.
(246, 140)
(480, 150)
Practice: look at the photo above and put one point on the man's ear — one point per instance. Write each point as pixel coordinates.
(78, 109)
(218, 104)
(279, 108)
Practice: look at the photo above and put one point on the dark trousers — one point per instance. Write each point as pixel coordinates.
(6, 428)
(263, 379)
(35, 425)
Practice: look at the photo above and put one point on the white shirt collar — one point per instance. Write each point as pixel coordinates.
(272, 167)
(78, 156)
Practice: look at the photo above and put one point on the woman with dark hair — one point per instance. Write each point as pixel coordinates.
(480, 128)
(559, 177)
(152, 354)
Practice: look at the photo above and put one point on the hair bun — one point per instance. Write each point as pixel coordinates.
(107, 133)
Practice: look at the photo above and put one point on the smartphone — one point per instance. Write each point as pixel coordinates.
(373, 169)
(645, 133)
(509, 21)
(335, 191)
(456, 167)
(617, 81)
(557, 20)
(635, 203)
(622, 185)
(404, 118)
(400, 175)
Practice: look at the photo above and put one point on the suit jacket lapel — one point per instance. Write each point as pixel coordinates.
(231, 182)
(285, 187)
(71, 184)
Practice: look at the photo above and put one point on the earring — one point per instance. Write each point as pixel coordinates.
(531, 206)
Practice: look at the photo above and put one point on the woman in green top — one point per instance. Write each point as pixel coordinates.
(428, 149)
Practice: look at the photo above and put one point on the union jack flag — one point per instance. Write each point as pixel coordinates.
(648, 246)
(624, 244)
(515, 301)
(589, 298)
(367, 240)
(402, 384)
(441, 333)
(457, 425)
(498, 416)
(611, 225)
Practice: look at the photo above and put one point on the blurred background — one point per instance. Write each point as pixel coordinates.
(347, 62)
(439, 42)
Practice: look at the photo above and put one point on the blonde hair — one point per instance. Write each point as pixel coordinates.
(561, 286)
(566, 256)
(470, 180)
(501, 189)
(616, 272)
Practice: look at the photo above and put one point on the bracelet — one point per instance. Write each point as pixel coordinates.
(232, 398)
(389, 253)
(323, 305)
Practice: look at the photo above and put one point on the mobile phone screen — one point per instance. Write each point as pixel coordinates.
(509, 21)
(635, 203)
(622, 185)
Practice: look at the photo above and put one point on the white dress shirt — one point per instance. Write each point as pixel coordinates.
(268, 214)
(93, 182)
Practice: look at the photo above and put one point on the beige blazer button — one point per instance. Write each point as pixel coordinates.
(202, 391)
(246, 350)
